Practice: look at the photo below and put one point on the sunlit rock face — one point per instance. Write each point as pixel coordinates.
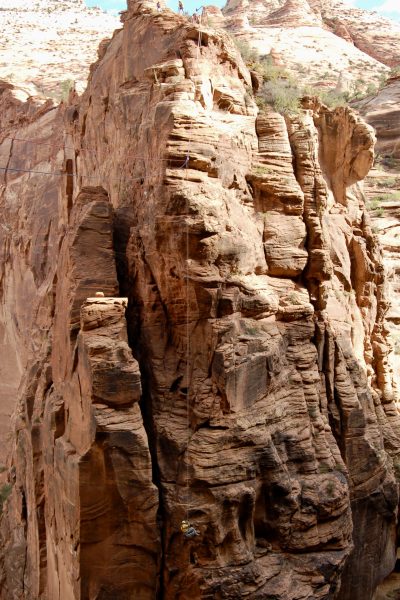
(47, 46)
(325, 44)
(194, 313)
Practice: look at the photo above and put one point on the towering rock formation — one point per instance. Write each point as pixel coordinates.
(248, 386)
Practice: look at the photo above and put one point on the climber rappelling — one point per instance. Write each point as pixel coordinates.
(188, 530)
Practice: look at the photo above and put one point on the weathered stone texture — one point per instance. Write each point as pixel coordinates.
(248, 388)
(324, 43)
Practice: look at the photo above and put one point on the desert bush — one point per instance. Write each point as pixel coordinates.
(371, 89)
(5, 491)
(331, 98)
(261, 170)
(374, 203)
(254, 21)
(324, 468)
(65, 87)
(249, 54)
(283, 95)
(268, 71)
(388, 182)
(394, 71)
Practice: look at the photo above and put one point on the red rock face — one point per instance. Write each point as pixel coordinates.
(247, 386)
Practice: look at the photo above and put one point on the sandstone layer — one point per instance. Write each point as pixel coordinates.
(327, 44)
(246, 382)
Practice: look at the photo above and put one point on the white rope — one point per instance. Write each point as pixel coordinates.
(188, 344)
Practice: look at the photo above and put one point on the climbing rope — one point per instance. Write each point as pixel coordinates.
(188, 341)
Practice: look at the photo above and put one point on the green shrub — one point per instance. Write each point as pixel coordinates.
(333, 99)
(5, 491)
(371, 89)
(382, 80)
(394, 71)
(249, 54)
(374, 203)
(282, 95)
(65, 87)
(388, 182)
(261, 170)
(270, 72)
(330, 488)
(254, 21)
(324, 468)
(294, 299)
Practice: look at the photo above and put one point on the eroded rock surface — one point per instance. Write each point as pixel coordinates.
(383, 193)
(328, 44)
(248, 387)
(383, 113)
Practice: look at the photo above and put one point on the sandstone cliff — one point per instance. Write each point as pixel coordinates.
(247, 386)
(382, 111)
(322, 43)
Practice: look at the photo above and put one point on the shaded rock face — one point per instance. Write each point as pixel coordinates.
(382, 112)
(382, 188)
(245, 386)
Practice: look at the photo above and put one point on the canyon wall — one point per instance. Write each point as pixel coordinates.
(235, 373)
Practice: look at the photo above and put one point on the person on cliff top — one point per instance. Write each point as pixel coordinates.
(188, 530)
(159, 7)
(180, 7)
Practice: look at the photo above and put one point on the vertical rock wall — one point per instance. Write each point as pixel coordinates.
(248, 388)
